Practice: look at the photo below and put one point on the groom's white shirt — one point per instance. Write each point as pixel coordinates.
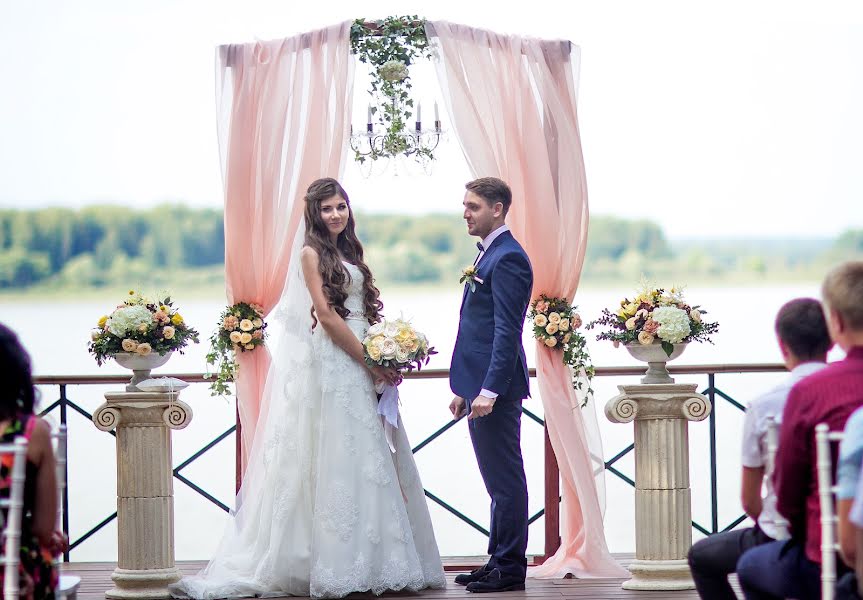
(486, 242)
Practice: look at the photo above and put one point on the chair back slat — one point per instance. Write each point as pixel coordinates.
(67, 586)
(14, 513)
(827, 503)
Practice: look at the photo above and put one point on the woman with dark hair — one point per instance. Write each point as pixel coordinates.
(325, 508)
(39, 543)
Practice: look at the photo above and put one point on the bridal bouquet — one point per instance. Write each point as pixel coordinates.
(140, 325)
(241, 329)
(655, 315)
(396, 344)
(554, 324)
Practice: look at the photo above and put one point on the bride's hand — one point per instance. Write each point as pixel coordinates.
(388, 375)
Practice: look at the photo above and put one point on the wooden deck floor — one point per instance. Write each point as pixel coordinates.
(96, 580)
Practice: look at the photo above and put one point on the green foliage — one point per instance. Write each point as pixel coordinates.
(390, 47)
(19, 268)
(100, 246)
(850, 243)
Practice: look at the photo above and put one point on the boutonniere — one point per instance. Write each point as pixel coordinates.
(468, 274)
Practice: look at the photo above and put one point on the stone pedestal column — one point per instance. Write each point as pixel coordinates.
(663, 511)
(145, 491)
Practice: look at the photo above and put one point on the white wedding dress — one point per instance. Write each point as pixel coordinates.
(325, 508)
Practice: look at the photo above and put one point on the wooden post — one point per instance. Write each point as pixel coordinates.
(552, 501)
(238, 458)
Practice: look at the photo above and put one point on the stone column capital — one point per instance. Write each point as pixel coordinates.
(142, 408)
(657, 401)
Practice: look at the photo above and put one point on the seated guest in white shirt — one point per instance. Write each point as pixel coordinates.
(804, 341)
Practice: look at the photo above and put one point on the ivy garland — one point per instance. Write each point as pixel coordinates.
(390, 46)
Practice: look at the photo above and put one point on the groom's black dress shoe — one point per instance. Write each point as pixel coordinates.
(475, 575)
(494, 581)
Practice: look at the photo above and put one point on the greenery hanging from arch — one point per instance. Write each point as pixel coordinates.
(390, 46)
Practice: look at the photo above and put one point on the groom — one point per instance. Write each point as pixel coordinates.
(489, 378)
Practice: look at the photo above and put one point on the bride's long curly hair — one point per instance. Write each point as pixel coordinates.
(348, 245)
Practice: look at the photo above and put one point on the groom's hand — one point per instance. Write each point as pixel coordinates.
(456, 407)
(481, 407)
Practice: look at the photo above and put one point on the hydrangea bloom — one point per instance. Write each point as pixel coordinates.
(394, 70)
(673, 324)
(129, 318)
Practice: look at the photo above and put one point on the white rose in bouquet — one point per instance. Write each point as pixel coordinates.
(389, 347)
(402, 355)
(391, 329)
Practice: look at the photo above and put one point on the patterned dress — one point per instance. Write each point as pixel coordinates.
(35, 562)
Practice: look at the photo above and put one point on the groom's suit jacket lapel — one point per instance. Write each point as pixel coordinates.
(484, 260)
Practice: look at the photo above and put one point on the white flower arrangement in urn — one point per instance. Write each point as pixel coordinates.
(655, 316)
(140, 326)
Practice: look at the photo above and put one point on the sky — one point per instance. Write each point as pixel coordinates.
(715, 119)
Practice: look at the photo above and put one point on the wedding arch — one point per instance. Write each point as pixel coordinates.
(284, 110)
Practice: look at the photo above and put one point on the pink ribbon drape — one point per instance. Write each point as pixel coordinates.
(513, 105)
(284, 112)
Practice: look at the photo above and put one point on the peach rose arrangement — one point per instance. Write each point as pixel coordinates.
(241, 328)
(655, 316)
(555, 325)
(140, 325)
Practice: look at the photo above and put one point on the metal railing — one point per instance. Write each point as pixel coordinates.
(63, 404)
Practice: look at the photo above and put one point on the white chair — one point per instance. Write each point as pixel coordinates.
(14, 509)
(827, 502)
(68, 584)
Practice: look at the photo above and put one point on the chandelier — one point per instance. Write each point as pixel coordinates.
(399, 139)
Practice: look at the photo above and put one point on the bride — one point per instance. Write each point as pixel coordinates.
(325, 508)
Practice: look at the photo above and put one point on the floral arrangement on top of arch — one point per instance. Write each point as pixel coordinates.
(390, 46)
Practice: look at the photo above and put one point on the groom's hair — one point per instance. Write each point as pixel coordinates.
(492, 190)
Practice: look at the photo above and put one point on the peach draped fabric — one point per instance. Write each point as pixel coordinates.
(513, 105)
(284, 109)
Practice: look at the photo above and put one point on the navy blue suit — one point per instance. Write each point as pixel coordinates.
(488, 354)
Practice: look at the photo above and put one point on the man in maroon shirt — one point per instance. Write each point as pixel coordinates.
(792, 568)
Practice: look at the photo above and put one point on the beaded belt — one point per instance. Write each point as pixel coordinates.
(355, 315)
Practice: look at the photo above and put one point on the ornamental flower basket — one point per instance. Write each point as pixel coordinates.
(655, 327)
(241, 328)
(555, 325)
(140, 334)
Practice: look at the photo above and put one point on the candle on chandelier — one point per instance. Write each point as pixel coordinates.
(436, 117)
(419, 116)
(369, 122)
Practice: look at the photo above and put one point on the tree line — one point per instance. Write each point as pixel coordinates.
(103, 245)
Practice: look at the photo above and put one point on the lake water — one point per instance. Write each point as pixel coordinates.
(56, 335)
